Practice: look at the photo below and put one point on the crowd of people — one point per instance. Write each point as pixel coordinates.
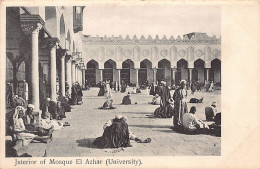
(170, 106)
(24, 128)
(24, 124)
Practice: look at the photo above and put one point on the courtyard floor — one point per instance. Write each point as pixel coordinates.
(86, 123)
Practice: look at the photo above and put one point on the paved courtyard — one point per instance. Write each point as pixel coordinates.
(86, 123)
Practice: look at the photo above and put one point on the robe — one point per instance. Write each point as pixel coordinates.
(180, 105)
(74, 95)
(126, 100)
(101, 89)
(163, 111)
(123, 87)
(79, 94)
(152, 90)
(114, 136)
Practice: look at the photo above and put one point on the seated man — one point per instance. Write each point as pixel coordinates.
(138, 90)
(134, 90)
(65, 103)
(108, 104)
(191, 124)
(211, 111)
(156, 100)
(195, 100)
(132, 136)
(17, 101)
(114, 136)
(126, 99)
(60, 111)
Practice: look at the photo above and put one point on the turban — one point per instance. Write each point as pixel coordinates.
(31, 106)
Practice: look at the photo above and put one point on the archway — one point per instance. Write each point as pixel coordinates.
(108, 72)
(164, 71)
(68, 41)
(215, 71)
(127, 71)
(90, 75)
(62, 31)
(145, 72)
(182, 71)
(198, 73)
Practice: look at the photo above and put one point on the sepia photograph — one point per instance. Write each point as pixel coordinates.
(116, 84)
(104, 80)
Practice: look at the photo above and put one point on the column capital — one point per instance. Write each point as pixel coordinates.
(31, 24)
(52, 42)
(61, 52)
(68, 58)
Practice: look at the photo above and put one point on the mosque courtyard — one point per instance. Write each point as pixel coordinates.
(86, 123)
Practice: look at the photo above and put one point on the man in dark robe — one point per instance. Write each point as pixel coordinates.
(79, 93)
(123, 87)
(64, 102)
(163, 111)
(60, 111)
(74, 95)
(126, 99)
(101, 89)
(114, 136)
(193, 87)
(8, 94)
(152, 89)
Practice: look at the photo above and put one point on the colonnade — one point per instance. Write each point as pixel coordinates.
(70, 70)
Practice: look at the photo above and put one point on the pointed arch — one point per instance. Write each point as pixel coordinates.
(62, 31)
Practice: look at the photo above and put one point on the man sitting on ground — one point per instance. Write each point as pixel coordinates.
(126, 99)
(132, 136)
(108, 104)
(211, 111)
(156, 100)
(191, 124)
(195, 100)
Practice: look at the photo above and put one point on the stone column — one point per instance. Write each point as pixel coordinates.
(154, 74)
(83, 77)
(137, 80)
(76, 73)
(207, 75)
(31, 25)
(62, 54)
(35, 99)
(101, 75)
(73, 73)
(119, 76)
(68, 72)
(173, 75)
(52, 43)
(190, 75)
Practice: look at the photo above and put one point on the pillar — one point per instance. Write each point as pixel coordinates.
(190, 75)
(207, 75)
(68, 72)
(119, 76)
(101, 75)
(83, 77)
(137, 80)
(73, 73)
(52, 43)
(173, 75)
(35, 99)
(154, 74)
(62, 54)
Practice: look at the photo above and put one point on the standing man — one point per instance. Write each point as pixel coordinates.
(180, 103)
(163, 110)
(8, 94)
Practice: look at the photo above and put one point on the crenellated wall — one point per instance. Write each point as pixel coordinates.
(198, 46)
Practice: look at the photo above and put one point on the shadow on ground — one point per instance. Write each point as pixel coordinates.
(151, 126)
(86, 142)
